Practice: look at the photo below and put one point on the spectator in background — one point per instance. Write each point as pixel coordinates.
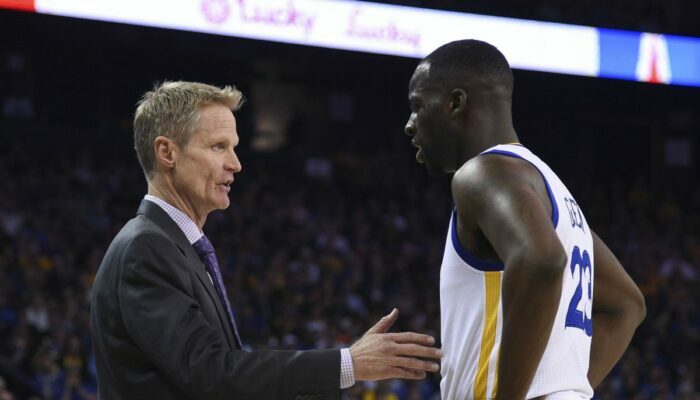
(4, 393)
(75, 388)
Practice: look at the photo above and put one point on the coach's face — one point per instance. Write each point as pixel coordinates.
(204, 168)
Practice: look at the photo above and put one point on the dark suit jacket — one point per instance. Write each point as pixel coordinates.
(160, 331)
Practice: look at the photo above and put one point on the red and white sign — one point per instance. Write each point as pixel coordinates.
(654, 65)
(22, 5)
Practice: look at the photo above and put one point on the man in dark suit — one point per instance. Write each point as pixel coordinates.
(162, 324)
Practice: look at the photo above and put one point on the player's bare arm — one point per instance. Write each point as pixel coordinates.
(618, 309)
(503, 198)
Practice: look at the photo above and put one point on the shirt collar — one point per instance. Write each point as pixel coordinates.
(189, 228)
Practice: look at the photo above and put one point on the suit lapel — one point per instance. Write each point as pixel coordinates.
(153, 211)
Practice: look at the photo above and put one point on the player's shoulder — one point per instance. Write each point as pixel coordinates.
(492, 171)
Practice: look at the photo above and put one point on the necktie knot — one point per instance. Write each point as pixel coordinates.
(203, 247)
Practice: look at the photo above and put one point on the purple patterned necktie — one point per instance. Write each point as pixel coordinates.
(207, 254)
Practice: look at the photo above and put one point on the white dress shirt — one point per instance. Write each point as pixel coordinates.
(193, 233)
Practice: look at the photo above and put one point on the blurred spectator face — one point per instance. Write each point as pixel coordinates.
(45, 364)
(204, 168)
(73, 378)
(74, 345)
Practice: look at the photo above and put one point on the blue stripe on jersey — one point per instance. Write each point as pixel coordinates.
(474, 262)
(555, 209)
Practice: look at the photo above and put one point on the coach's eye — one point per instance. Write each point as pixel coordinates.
(218, 146)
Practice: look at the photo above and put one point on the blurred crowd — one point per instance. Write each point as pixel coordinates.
(313, 250)
(661, 16)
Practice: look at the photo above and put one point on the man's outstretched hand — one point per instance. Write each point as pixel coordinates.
(380, 355)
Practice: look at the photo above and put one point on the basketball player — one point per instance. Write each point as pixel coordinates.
(533, 303)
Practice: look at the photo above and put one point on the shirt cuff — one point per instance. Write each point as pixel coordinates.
(347, 371)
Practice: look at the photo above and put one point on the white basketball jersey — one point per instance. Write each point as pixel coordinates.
(471, 313)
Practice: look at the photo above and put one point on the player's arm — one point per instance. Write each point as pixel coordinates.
(498, 194)
(618, 308)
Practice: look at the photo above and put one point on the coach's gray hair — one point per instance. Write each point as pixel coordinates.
(171, 109)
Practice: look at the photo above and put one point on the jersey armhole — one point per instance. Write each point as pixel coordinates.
(466, 256)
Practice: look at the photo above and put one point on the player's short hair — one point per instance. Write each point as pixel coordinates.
(171, 109)
(470, 61)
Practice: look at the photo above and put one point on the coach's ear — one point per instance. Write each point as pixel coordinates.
(458, 101)
(165, 151)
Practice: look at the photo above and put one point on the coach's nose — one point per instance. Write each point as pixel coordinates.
(233, 163)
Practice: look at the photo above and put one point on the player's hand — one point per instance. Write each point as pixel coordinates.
(380, 355)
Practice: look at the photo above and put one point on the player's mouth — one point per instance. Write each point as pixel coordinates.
(419, 154)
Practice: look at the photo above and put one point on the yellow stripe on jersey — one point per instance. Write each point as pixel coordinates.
(488, 336)
(495, 375)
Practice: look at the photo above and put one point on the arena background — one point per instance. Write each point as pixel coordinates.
(332, 222)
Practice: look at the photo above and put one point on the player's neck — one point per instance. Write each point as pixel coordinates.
(486, 131)
(506, 135)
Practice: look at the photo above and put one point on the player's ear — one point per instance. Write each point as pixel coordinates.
(458, 101)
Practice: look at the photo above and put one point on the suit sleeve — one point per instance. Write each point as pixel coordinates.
(166, 323)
